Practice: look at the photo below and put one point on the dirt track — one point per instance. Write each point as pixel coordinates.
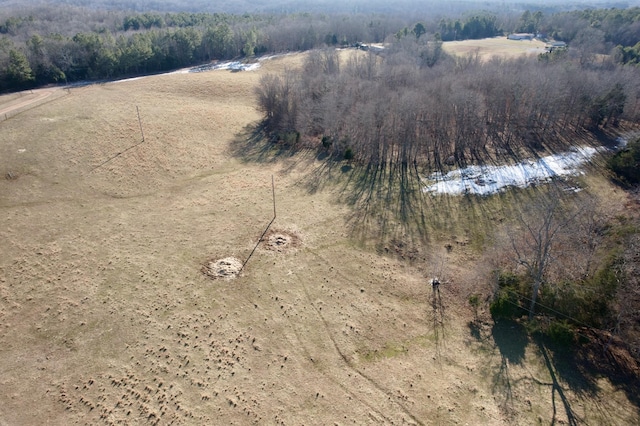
(32, 97)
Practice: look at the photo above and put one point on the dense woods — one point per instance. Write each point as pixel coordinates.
(36, 49)
(418, 107)
(48, 44)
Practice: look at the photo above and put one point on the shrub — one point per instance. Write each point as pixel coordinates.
(508, 279)
(474, 301)
(626, 163)
(327, 141)
(348, 154)
(505, 305)
(561, 333)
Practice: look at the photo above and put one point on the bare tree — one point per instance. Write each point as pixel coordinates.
(534, 242)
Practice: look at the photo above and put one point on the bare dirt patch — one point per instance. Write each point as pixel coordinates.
(281, 241)
(228, 268)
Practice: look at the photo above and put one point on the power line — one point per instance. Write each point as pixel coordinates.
(577, 332)
(122, 152)
(575, 320)
(273, 188)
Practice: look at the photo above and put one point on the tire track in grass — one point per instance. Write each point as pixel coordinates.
(352, 367)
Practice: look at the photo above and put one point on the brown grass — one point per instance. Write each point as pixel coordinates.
(106, 318)
(494, 47)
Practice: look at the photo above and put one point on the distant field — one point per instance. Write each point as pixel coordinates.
(498, 46)
(106, 316)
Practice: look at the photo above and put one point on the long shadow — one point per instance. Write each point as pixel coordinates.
(583, 364)
(254, 144)
(556, 387)
(438, 320)
(387, 199)
(575, 367)
(511, 339)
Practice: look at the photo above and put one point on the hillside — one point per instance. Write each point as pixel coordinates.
(107, 318)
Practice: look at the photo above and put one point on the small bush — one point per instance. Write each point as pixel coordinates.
(289, 138)
(561, 333)
(508, 280)
(626, 163)
(474, 301)
(505, 305)
(348, 154)
(327, 141)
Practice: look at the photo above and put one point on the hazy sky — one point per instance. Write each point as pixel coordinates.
(328, 6)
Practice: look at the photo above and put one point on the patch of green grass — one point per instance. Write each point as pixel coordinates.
(392, 350)
(389, 350)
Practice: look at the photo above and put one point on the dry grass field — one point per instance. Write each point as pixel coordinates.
(492, 47)
(106, 316)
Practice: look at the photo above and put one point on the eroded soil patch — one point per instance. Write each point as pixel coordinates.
(227, 268)
(281, 241)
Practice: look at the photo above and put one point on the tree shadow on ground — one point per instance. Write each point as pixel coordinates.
(573, 369)
(438, 320)
(254, 144)
(581, 365)
(560, 371)
(387, 200)
(389, 206)
(511, 339)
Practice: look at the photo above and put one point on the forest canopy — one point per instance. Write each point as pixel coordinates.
(45, 44)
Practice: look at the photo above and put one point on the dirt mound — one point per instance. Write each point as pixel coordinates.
(228, 268)
(281, 241)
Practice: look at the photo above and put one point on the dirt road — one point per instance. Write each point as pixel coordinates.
(24, 100)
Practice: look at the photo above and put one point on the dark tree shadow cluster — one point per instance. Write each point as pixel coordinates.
(572, 369)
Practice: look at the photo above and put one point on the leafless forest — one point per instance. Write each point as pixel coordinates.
(413, 107)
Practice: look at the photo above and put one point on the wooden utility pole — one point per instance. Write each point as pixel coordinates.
(140, 122)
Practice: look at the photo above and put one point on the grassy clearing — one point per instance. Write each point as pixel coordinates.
(105, 316)
(485, 49)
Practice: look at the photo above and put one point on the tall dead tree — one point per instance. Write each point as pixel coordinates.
(533, 243)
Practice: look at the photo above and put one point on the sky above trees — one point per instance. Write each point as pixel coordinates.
(400, 7)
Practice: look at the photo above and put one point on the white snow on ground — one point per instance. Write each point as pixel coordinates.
(485, 180)
(231, 65)
(236, 65)
(127, 79)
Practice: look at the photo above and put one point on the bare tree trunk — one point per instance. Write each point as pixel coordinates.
(534, 249)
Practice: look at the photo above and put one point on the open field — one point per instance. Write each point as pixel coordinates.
(107, 318)
(494, 47)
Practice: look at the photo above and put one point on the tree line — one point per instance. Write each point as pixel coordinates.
(49, 45)
(36, 49)
(417, 107)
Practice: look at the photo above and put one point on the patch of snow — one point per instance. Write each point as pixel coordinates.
(486, 180)
(232, 65)
(622, 141)
(128, 79)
